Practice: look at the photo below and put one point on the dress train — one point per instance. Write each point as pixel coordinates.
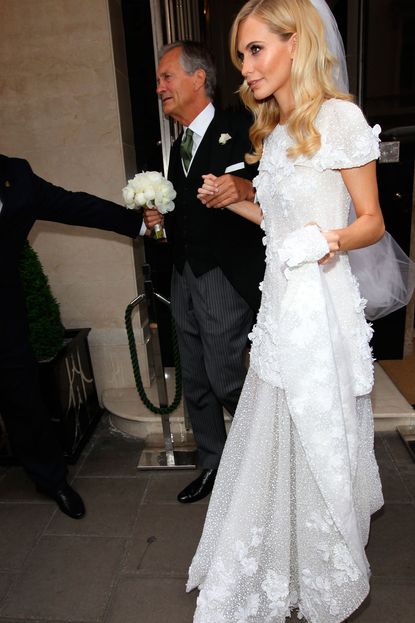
(270, 544)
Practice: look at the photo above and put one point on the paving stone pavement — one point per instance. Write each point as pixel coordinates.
(126, 561)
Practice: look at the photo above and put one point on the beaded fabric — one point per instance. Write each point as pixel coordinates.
(289, 515)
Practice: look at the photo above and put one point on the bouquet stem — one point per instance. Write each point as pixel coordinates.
(159, 233)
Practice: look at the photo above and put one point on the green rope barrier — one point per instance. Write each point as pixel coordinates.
(136, 367)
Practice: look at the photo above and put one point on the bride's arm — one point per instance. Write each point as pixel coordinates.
(368, 227)
(247, 209)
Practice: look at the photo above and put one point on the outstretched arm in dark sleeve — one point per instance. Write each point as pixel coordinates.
(53, 203)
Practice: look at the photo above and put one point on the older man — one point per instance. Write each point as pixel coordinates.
(218, 256)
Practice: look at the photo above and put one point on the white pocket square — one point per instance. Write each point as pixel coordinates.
(235, 167)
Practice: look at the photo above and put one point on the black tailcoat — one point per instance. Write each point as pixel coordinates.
(212, 237)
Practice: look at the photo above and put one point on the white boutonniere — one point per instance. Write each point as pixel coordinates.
(224, 138)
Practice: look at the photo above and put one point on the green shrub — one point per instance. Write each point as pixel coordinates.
(45, 325)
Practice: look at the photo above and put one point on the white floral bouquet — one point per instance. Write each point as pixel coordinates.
(150, 190)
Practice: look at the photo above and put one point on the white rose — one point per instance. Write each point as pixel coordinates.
(140, 199)
(135, 183)
(168, 207)
(128, 194)
(158, 198)
(154, 177)
(149, 194)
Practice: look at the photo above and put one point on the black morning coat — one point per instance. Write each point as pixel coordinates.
(27, 198)
(209, 237)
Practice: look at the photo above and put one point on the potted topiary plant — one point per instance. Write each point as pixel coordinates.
(66, 374)
(45, 324)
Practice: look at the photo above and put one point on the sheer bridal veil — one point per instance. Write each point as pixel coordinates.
(385, 273)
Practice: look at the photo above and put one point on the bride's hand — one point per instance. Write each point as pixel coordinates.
(208, 189)
(333, 240)
(222, 191)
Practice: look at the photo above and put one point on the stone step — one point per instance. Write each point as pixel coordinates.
(129, 415)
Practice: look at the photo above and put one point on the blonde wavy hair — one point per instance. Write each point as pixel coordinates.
(311, 73)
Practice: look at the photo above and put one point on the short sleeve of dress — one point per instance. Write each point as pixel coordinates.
(347, 140)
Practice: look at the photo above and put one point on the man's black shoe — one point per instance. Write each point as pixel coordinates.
(68, 500)
(199, 488)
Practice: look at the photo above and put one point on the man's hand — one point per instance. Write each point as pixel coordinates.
(151, 218)
(219, 192)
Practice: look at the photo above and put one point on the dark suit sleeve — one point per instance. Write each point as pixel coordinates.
(52, 203)
(239, 247)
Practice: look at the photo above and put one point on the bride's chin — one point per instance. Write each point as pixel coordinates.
(261, 98)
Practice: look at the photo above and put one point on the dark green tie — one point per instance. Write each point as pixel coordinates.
(186, 148)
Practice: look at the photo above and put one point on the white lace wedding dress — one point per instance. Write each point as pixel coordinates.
(289, 515)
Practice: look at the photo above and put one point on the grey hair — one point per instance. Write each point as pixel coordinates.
(194, 56)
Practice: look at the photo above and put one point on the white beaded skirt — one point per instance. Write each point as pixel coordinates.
(269, 544)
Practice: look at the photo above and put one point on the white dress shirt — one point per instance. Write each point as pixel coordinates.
(199, 126)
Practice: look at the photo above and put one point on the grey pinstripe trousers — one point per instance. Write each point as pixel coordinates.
(213, 322)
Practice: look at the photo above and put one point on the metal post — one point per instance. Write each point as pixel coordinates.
(165, 452)
(158, 364)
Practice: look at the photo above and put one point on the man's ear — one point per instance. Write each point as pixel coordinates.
(199, 79)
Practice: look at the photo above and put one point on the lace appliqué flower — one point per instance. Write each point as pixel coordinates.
(276, 587)
(338, 567)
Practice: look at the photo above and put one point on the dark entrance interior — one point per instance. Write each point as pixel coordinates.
(378, 36)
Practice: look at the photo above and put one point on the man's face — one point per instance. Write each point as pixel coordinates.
(174, 86)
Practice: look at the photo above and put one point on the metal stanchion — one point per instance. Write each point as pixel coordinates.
(163, 451)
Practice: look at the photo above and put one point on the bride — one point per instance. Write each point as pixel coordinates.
(289, 516)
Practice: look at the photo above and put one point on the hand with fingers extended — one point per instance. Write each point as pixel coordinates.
(219, 192)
